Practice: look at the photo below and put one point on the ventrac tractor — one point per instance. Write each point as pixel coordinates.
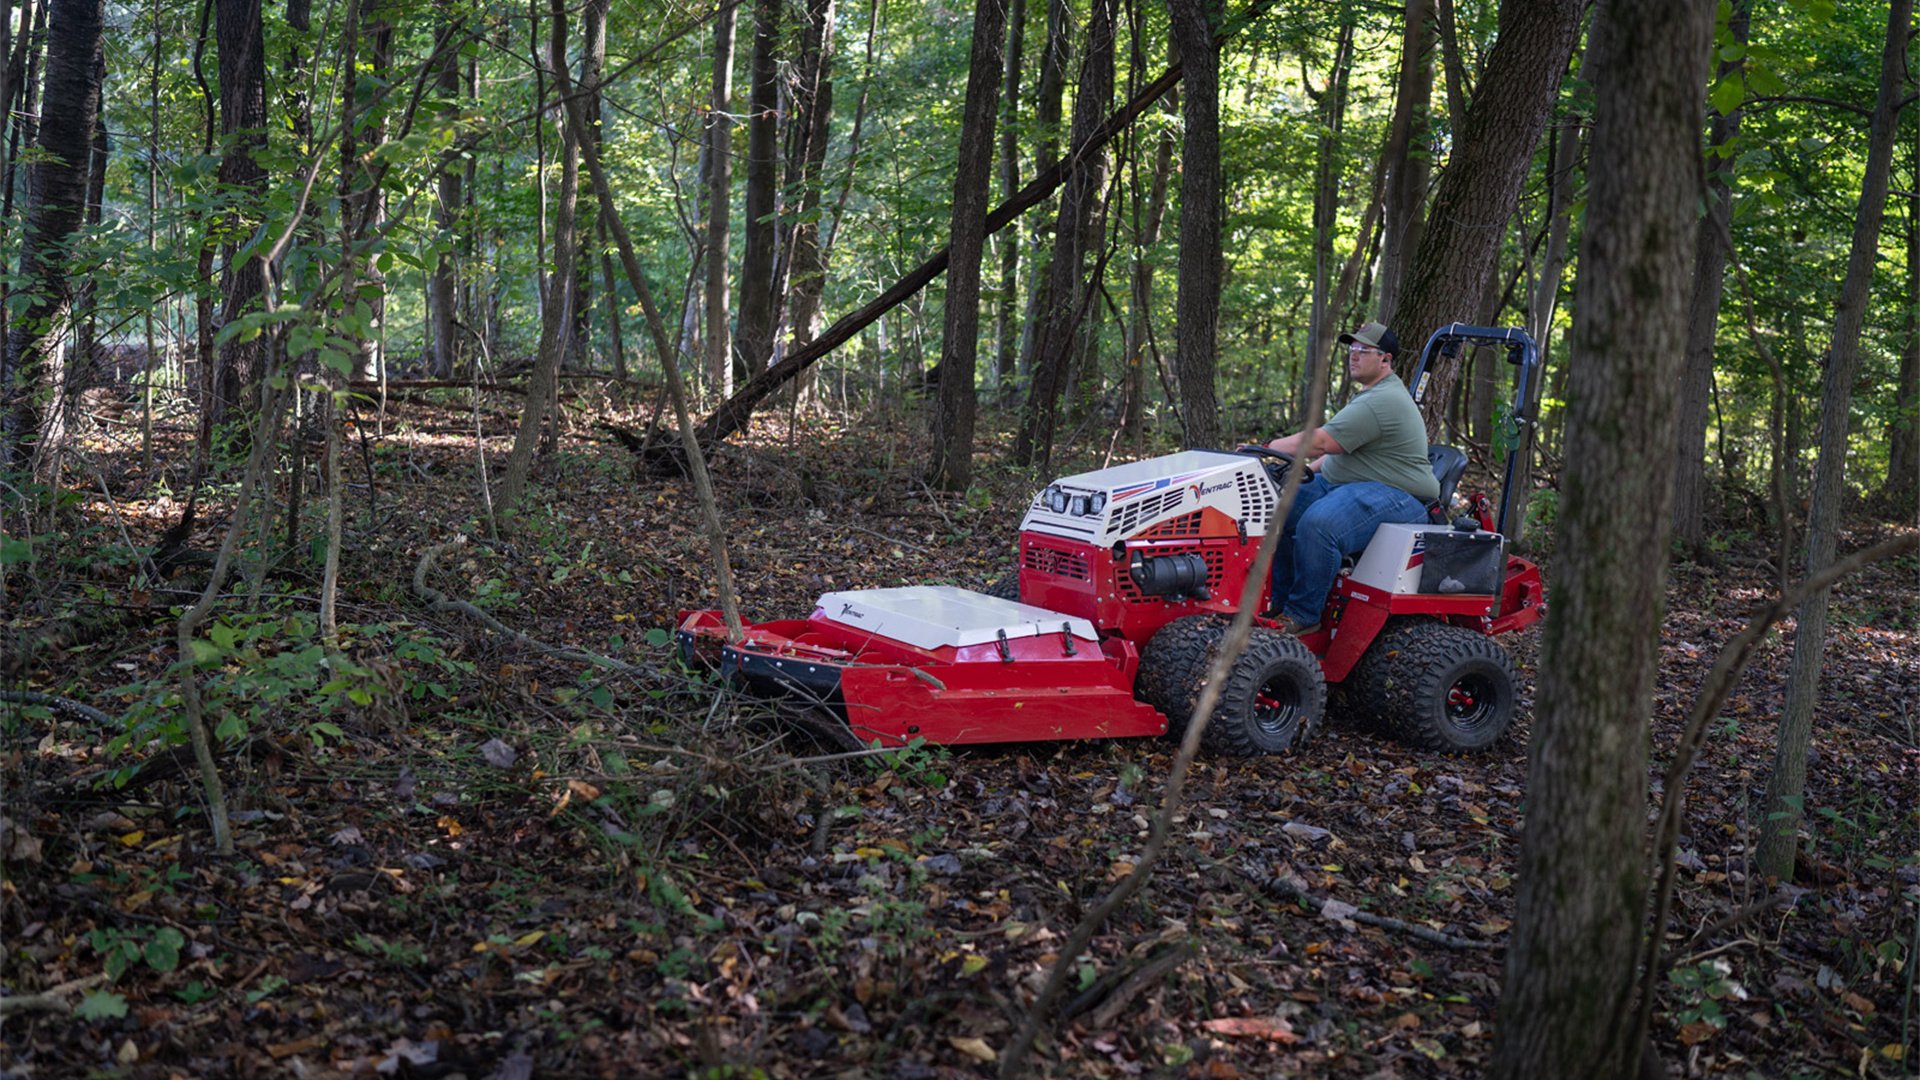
(1127, 579)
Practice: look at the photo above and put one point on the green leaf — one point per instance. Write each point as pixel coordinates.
(163, 952)
(1727, 94)
(13, 551)
(1734, 52)
(658, 637)
(1766, 81)
(101, 1005)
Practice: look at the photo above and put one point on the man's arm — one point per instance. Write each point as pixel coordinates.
(1322, 443)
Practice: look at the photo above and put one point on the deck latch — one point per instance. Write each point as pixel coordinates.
(1066, 637)
(1006, 648)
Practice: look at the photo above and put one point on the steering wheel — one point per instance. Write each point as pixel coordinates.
(1257, 450)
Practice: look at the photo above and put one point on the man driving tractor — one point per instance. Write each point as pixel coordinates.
(1369, 468)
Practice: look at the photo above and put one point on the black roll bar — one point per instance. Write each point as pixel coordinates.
(1521, 352)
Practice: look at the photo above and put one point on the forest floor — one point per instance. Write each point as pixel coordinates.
(462, 856)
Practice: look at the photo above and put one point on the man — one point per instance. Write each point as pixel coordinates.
(1370, 468)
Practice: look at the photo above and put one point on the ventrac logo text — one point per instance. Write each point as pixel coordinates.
(1221, 486)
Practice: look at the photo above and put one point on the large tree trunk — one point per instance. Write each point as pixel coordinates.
(1197, 308)
(593, 66)
(951, 468)
(1709, 276)
(1006, 336)
(763, 178)
(1903, 431)
(1326, 186)
(1565, 1009)
(1046, 115)
(56, 202)
(243, 282)
(556, 319)
(1067, 284)
(1787, 784)
(720, 206)
(1409, 161)
(443, 286)
(1460, 246)
(813, 107)
(1139, 326)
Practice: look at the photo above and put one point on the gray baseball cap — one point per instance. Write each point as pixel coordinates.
(1376, 335)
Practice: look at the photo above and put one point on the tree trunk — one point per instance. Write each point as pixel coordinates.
(444, 286)
(1903, 431)
(1046, 115)
(1565, 1005)
(1408, 164)
(951, 468)
(556, 319)
(1197, 308)
(1710, 270)
(813, 106)
(720, 206)
(243, 280)
(1067, 285)
(593, 66)
(1787, 784)
(1006, 336)
(56, 202)
(763, 179)
(1139, 327)
(83, 363)
(1326, 187)
(1492, 155)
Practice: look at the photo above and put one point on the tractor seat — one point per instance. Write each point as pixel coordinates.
(1449, 465)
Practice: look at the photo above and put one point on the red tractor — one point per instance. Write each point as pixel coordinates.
(1128, 577)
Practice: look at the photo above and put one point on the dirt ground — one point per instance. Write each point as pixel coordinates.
(468, 857)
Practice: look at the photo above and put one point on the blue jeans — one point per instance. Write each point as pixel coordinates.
(1328, 522)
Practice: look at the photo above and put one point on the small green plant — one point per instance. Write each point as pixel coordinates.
(1705, 985)
(121, 949)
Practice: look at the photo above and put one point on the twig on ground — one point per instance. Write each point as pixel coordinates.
(439, 601)
(58, 704)
(1286, 890)
(53, 999)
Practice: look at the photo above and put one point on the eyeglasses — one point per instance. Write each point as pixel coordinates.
(1357, 348)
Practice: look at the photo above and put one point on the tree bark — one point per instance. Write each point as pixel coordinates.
(1492, 154)
(1006, 355)
(1787, 783)
(1903, 431)
(720, 206)
(1066, 279)
(243, 282)
(1565, 1004)
(556, 318)
(1139, 327)
(1703, 320)
(951, 468)
(1326, 187)
(813, 107)
(1197, 306)
(444, 286)
(1046, 115)
(1408, 163)
(56, 203)
(763, 164)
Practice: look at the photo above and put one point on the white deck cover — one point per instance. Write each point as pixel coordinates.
(936, 616)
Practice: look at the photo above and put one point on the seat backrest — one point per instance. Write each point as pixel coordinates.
(1448, 466)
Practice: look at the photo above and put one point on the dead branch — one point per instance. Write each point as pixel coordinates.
(53, 999)
(439, 601)
(57, 703)
(1287, 890)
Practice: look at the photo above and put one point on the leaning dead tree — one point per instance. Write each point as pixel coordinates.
(733, 414)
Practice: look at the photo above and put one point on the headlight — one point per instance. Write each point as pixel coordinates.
(1057, 500)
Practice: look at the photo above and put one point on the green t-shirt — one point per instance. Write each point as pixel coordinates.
(1385, 440)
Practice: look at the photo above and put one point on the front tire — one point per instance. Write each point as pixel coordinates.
(1436, 686)
(1174, 664)
(1274, 695)
(1006, 586)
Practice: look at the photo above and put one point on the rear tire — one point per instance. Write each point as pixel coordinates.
(1274, 695)
(1435, 686)
(1174, 664)
(1006, 586)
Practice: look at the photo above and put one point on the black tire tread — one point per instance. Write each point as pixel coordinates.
(1400, 684)
(1006, 586)
(1173, 667)
(1231, 731)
